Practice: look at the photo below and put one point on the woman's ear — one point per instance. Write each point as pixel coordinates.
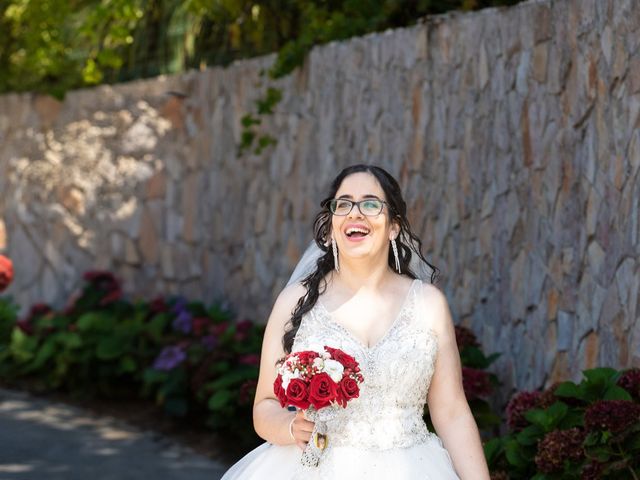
(395, 230)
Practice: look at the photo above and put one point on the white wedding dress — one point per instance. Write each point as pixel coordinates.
(381, 434)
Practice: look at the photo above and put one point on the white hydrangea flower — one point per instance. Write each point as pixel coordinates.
(334, 369)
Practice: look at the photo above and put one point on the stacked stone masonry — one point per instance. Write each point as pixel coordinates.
(514, 132)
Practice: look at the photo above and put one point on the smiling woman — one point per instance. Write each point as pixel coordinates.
(363, 295)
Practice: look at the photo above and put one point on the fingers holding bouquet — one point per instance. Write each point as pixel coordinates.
(300, 429)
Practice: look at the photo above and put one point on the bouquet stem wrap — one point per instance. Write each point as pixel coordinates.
(319, 440)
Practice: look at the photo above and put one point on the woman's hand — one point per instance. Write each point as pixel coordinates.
(301, 429)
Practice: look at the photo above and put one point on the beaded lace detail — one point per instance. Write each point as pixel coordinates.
(397, 372)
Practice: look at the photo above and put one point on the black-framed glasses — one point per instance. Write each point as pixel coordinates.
(369, 207)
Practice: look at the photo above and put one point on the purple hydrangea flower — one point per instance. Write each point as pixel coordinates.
(182, 322)
(169, 358)
(210, 342)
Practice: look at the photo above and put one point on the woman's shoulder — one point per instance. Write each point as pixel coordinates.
(435, 305)
(288, 299)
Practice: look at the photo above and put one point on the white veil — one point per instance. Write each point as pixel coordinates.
(307, 263)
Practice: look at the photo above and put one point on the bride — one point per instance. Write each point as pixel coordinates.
(361, 290)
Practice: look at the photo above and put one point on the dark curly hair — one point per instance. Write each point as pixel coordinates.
(408, 244)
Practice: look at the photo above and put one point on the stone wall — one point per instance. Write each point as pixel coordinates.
(515, 133)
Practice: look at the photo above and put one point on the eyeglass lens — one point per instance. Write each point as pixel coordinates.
(369, 207)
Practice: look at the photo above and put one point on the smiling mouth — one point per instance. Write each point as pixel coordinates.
(356, 232)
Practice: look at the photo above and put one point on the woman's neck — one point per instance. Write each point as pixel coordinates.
(354, 275)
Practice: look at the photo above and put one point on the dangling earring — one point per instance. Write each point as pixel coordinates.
(335, 253)
(395, 254)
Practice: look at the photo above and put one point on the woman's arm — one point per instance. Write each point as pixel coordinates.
(270, 420)
(448, 407)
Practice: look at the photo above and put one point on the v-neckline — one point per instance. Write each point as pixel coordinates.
(329, 316)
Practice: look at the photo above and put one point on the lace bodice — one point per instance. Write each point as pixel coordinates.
(397, 372)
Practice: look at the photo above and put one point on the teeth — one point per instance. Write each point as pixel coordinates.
(353, 230)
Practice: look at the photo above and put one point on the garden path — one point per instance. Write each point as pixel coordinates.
(40, 439)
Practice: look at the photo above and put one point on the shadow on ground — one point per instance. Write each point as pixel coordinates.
(44, 440)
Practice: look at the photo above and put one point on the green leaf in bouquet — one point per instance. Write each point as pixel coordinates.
(220, 400)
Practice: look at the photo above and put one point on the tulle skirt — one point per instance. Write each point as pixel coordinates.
(424, 461)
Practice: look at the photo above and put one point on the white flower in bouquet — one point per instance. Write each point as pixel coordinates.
(288, 375)
(334, 369)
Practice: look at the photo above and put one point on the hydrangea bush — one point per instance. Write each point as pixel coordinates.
(190, 359)
(477, 382)
(585, 431)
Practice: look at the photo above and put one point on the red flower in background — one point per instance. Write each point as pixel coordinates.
(6, 272)
(630, 381)
(158, 305)
(557, 447)
(251, 359)
(518, 406)
(465, 337)
(476, 383)
(247, 392)
(200, 325)
(612, 415)
(37, 310)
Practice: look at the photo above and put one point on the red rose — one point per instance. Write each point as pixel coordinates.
(322, 391)
(349, 389)
(279, 392)
(345, 359)
(6, 272)
(306, 357)
(297, 394)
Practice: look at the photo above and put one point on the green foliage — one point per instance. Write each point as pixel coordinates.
(8, 317)
(52, 46)
(190, 359)
(590, 430)
(264, 106)
(477, 382)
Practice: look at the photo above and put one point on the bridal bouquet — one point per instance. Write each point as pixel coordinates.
(313, 380)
